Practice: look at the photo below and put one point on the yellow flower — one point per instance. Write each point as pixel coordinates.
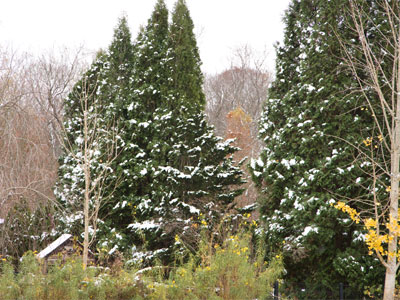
(368, 141)
(388, 188)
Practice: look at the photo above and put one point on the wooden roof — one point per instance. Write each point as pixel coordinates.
(54, 245)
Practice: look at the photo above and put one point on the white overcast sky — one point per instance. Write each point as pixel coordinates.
(221, 25)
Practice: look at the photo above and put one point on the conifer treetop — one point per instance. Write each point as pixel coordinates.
(120, 49)
(186, 75)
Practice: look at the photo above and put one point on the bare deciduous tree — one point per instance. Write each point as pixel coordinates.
(27, 171)
(28, 147)
(238, 128)
(245, 85)
(50, 78)
(375, 62)
(235, 101)
(12, 78)
(93, 151)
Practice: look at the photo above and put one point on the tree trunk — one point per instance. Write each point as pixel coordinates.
(390, 277)
(86, 215)
(390, 281)
(86, 166)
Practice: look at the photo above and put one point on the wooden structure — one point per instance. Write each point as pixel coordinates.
(62, 248)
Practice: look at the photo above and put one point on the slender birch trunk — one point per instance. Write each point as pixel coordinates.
(383, 82)
(87, 188)
(391, 268)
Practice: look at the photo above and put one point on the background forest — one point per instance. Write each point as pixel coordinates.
(209, 187)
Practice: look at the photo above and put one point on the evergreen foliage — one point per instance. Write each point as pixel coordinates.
(173, 173)
(24, 229)
(100, 94)
(70, 187)
(309, 121)
(151, 71)
(121, 52)
(179, 168)
(186, 75)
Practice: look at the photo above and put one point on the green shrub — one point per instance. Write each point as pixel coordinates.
(227, 271)
(9, 289)
(231, 270)
(65, 281)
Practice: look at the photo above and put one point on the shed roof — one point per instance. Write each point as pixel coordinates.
(54, 245)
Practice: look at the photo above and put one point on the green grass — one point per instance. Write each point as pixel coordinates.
(230, 270)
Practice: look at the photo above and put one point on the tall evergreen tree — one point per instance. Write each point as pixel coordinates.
(82, 120)
(186, 76)
(147, 87)
(306, 164)
(180, 169)
(120, 66)
(121, 50)
(151, 74)
(174, 168)
(104, 87)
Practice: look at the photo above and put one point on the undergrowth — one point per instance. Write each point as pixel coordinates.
(232, 269)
